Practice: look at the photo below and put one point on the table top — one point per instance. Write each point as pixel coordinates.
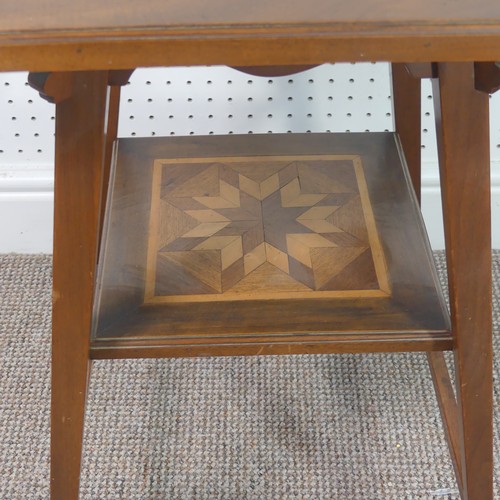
(102, 34)
(90, 15)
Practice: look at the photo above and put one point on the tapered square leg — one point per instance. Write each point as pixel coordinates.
(80, 142)
(463, 144)
(406, 95)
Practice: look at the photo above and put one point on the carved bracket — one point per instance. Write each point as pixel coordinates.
(57, 87)
(487, 76)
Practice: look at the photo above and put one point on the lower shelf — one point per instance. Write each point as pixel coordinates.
(265, 244)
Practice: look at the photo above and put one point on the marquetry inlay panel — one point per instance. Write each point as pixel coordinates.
(232, 228)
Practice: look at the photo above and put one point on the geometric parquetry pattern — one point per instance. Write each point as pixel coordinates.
(242, 225)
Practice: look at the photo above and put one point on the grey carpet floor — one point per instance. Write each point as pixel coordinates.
(287, 427)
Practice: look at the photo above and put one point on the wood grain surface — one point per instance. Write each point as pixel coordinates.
(120, 34)
(127, 14)
(464, 163)
(247, 227)
(231, 239)
(80, 122)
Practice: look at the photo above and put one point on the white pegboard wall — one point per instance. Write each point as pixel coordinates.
(210, 100)
(220, 100)
(26, 124)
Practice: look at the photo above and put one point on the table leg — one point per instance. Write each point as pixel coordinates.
(80, 147)
(406, 98)
(463, 145)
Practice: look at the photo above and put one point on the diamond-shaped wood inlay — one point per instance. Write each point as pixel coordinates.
(262, 227)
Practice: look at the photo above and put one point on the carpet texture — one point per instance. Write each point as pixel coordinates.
(287, 427)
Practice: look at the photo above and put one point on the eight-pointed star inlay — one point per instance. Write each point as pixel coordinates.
(292, 222)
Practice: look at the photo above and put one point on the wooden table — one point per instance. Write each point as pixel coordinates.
(86, 44)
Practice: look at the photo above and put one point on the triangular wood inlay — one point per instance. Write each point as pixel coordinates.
(314, 179)
(176, 174)
(328, 262)
(206, 183)
(174, 223)
(195, 272)
(258, 171)
(350, 218)
(268, 275)
(358, 275)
